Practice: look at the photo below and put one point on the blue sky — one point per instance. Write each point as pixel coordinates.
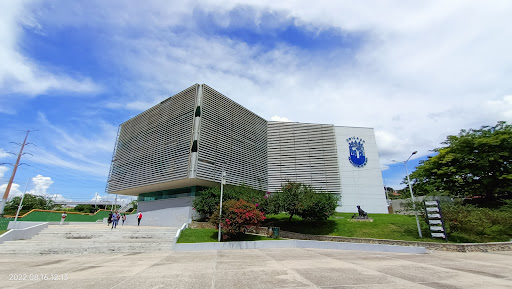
(75, 70)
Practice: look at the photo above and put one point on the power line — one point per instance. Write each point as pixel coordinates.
(8, 189)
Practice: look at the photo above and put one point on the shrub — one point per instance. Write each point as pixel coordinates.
(237, 217)
(318, 206)
(208, 200)
(479, 223)
(302, 200)
(84, 209)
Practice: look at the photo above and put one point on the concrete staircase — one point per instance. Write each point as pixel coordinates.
(93, 238)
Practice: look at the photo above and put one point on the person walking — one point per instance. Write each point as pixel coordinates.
(115, 220)
(124, 219)
(62, 218)
(109, 220)
(139, 216)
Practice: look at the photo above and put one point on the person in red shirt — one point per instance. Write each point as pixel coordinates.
(139, 216)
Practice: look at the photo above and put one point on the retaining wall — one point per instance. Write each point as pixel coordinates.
(465, 247)
(23, 234)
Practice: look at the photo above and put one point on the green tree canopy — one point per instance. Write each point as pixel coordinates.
(84, 209)
(208, 200)
(476, 162)
(30, 202)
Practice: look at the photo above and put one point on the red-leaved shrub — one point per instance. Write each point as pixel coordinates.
(237, 217)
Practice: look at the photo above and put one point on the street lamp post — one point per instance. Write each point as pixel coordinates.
(222, 183)
(412, 195)
(20, 205)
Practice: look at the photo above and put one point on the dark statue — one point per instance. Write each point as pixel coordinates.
(362, 214)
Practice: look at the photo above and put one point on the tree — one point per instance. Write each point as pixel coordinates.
(476, 162)
(208, 200)
(30, 202)
(302, 200)
(84, 209)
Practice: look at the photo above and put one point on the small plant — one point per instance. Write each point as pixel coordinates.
(237, 217)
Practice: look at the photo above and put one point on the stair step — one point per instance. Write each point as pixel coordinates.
(93, 238)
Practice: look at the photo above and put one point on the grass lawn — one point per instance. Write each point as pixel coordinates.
(210, 235)
(384, 226)
(2, 231)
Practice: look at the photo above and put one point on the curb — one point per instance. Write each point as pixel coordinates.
(452, 247)
(186, 247)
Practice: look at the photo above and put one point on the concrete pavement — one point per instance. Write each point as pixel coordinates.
(262, 268)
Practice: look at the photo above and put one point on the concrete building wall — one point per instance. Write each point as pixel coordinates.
(360, 185)
(164, 213)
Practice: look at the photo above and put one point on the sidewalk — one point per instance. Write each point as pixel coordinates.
(263, 268)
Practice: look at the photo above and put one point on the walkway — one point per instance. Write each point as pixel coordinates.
(263, 268)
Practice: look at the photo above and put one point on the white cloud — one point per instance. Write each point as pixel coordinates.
(41, 185)
(76, 148)
(421, 74)
(4, 154)
(15, 190)
(500, 107)
(121, 199)
(279, 118)
(3, 170)
(421, 71)
(20, 75)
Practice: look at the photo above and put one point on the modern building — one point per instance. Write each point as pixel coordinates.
(170, 152)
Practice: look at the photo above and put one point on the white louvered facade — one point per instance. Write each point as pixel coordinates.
(302, 152)
(153, 147)
(232, 137)
(188, 139)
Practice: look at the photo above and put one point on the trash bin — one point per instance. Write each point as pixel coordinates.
(275, 233)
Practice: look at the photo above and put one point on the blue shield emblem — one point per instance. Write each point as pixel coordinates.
(356, 152)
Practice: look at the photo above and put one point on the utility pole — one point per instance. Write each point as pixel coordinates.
(8, 189)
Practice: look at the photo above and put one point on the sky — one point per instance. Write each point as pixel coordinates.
(72, 71)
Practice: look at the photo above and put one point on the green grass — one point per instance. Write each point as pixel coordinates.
(55, 217)
(3, 231)
(211, 235)
(384, 226)
(4, 222)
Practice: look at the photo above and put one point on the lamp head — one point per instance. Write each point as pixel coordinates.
(414, 152)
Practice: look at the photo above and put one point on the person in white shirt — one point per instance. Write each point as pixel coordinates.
(62, 218)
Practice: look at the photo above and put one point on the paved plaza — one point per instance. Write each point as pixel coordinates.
(260, 268)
